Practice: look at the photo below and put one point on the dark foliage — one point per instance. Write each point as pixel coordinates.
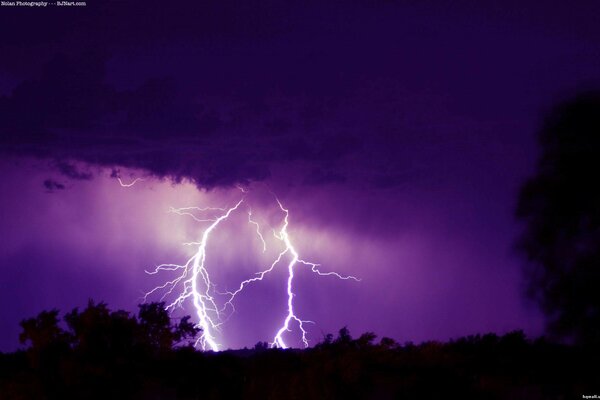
(106, 354)
(560, 207)
(99, 331)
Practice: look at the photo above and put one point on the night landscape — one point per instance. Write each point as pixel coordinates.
(300, 200)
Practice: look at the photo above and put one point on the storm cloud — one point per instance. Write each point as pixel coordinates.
(223, 92)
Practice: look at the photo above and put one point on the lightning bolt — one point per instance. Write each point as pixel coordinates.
(195, 285)
(291, 315)
(195, 271)
(260, 236)
(130, 184)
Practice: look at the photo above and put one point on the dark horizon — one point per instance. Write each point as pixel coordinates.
(103, 353)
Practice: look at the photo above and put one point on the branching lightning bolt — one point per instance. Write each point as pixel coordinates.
(194, 283)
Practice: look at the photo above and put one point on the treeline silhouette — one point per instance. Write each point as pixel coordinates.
(104, 354)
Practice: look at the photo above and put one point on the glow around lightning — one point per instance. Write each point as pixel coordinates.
(193, 285)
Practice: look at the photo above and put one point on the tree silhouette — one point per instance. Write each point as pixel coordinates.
(560, 207)
(123, 356)
(156, 327)
(42, 331)
(99, 332)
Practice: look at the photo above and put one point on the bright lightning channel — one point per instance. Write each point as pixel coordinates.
(195, 285)
(130, 184)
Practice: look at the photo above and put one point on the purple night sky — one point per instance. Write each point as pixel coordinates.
(396, 133)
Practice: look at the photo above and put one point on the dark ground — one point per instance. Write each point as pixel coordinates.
(488, 367)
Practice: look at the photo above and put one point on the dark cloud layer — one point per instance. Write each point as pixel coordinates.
(68, 111)
(71, 113)
(229, 92)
